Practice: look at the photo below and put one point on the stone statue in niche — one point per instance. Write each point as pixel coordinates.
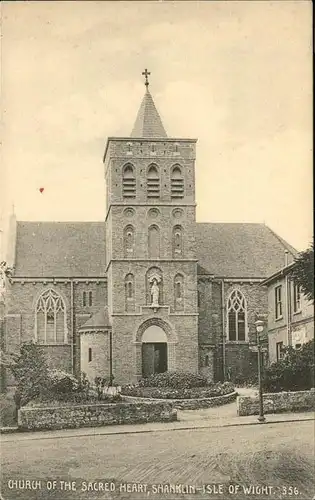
(155, 293)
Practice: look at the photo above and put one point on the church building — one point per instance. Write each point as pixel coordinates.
(149, 289)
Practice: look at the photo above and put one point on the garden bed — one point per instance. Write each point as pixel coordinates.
(187, 391)
(73, 401)
(189, 404)
(215, 390)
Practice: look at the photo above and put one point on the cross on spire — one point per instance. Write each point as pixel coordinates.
(146, 73)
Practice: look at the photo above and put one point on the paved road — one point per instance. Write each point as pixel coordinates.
(275, 455)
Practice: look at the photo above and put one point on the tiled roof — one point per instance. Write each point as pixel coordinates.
(148, 122)
(98, 321)
(67, 249)
(240, 250)
(77, 249)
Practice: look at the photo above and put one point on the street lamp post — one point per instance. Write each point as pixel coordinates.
(3, 269)
(259, 329)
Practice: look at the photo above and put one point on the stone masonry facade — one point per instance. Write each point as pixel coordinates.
(148, 289)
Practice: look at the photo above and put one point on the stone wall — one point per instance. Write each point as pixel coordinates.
(190, 404)
(279, 402)
(94, 415)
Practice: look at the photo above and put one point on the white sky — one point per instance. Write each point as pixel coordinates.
(236, 75)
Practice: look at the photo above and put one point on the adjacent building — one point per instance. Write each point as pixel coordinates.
(290, 314)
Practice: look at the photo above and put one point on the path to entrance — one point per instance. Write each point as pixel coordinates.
(219, 413)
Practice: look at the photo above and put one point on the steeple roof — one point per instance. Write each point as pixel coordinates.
(148, 122)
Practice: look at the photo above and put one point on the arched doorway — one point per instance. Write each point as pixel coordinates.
(154, 351)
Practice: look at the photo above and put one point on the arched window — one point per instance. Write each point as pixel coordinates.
(129, 182)
(129, 241)
(50, 318)
(86, 302)
(179, 292)
(177, 182)
(177, 241)
(237, 316)
(129, 292)
(153, 182)
(154, 242)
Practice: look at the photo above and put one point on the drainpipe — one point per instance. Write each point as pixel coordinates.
(288, 300)
(72, 326)
(223, 329)
(111, 377)
(2, 341)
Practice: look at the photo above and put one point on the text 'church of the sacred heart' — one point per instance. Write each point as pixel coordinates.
(149, 289)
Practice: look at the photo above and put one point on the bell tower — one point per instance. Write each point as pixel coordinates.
(150, 248)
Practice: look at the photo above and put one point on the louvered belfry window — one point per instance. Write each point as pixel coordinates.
(177, 183)
(153, 182)
(129, 182)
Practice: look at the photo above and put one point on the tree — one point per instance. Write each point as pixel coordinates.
(303, 272)
(294, 372)
(31, 374)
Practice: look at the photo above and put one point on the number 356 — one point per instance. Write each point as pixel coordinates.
(289, 490)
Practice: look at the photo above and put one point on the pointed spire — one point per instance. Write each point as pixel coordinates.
(148, 122)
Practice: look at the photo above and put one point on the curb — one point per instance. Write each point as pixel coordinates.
(146, 431)
(8, 430)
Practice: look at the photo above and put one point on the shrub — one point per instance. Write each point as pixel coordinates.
(76, 398)
(210, 391)
(100, 384)
(175, 380)
(295, 372)
(31, 374)
(62, 382)
(7, 411)
(84, 383)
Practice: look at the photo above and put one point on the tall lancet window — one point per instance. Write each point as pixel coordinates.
(153, 182)
(179, 292)
(177, 182)
(154, 242)
(129, 292)
(129, 182)
(129, 241)
(237, 316)
(50, 318)
(177, 241)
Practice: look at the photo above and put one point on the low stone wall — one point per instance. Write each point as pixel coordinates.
(94, 415)
(277, 402)
(189, 404)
